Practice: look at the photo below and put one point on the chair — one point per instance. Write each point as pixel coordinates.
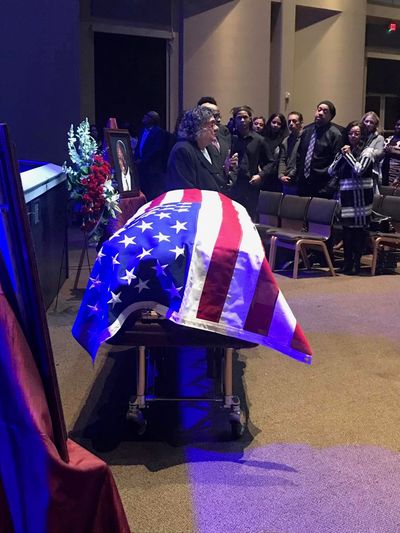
(390, 206)
(386, 190)
(268, 208)
(376, 204)
(319, 221)
(292, 213)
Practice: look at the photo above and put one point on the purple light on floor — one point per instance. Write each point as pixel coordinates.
(195, 417)
(290, 488)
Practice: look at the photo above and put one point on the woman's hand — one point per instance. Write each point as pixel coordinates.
(346, 149)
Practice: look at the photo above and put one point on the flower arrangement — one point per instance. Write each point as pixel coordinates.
(90, 182)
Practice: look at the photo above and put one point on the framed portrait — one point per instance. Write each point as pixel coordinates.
(121, 159)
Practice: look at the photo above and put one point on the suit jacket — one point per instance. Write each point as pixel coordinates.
(187, 168)
(327, 144)
(288, 157)
(151, 161)
(219, 156)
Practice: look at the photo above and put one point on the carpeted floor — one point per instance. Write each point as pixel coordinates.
(321, 452)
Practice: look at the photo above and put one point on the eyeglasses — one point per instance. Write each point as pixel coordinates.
(210, 125)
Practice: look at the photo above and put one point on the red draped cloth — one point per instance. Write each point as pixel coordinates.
(39, 492)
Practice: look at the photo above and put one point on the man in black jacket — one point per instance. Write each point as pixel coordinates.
(254, 160)
(319, 144)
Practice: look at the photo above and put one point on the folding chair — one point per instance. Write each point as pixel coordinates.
(319, 221)
(390, 206)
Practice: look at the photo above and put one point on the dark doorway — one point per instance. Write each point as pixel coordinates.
(130, 78)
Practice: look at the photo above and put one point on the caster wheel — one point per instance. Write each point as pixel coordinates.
(237, 429)
(135, 416)
(238, 421)
(141, 427)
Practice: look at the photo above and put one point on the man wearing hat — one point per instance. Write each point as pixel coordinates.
(319, 144)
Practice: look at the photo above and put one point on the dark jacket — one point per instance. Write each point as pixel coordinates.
(151, 161)
(327, 145)
(254, 158)
(188, 168)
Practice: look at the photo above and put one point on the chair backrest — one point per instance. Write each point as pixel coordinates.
(293, 211)
(390, 207)
(386, 190)
(320, 216)
(268, 208)
(376, 204)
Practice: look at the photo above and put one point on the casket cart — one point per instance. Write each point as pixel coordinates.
(146, 331)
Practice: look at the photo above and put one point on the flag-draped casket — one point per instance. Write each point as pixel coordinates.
(194, 257)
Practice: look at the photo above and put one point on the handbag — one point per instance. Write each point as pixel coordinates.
(381, 223)
(332, 187)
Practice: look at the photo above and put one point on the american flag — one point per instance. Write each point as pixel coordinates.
(194, 257)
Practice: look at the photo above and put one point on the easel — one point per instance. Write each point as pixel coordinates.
(84, 252)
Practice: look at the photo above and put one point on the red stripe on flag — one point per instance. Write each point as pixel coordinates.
(157, 201)
(191, 195)
(222, 264)
(299, 341)
(262, 306)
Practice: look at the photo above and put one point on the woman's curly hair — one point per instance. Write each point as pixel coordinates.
(193, 121)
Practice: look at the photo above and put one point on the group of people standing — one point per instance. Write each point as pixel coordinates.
(255, 154)
(321, 159)
(251, 153)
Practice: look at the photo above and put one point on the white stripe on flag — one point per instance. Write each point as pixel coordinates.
(283, 322)
(245, 275)
(208, 226)
(173, 196)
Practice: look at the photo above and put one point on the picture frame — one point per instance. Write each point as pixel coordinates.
(121, 157)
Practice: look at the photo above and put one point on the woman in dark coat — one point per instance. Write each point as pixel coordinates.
(353, 167)
(190, 163)
(274, 132)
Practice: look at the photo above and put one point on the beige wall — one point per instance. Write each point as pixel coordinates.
(329, 61)
(282, 58)
(226, 55)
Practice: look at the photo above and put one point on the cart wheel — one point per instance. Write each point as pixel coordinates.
(135, 416)
(237, 420)
(237, 429)
(141, 427)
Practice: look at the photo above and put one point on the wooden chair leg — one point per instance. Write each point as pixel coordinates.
(296, 260)
(306, 262)
(375, 250)
(141, 378)
(272, 252)
(328, 259)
